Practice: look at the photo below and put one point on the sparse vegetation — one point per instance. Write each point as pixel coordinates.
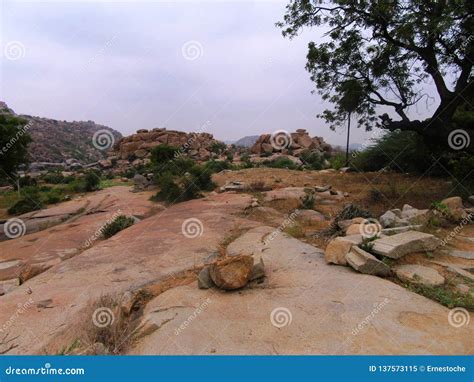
(118, 224)
(308, 202)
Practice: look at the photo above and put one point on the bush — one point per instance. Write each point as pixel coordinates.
(162, 154)
(118, 224)
(53, 196)
(202, 177)
(90, 182)
(31, 201)
(169, 191)
(282, 162)
(57, 178)
(308, 202)
(312, 160)
(337, 161)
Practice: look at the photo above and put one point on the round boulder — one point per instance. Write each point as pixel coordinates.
(231, 272)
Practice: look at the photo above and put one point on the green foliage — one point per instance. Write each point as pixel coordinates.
(30, 201)
(402, 151)
(444, 295)
(308, 202)
(367, 243)
(56, 177)
(281, 162)
(14, 139)
(312, 160)
(169, 192)
(88, 183)
(162, 154)
(118, 224)
(382, 52)
(217, 147)
(337, 161)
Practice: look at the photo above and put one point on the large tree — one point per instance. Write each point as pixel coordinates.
(14, 139)
(392, 48)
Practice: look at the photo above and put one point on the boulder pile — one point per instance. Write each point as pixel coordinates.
(289, 143)
(135, 150)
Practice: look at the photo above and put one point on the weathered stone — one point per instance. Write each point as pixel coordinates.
(389, 220)
(353, 229)
(462, 254)
(311, 216)
(419, 274)
(322, 188)
(453, 202)
(337, 250)
(231, 272)
(460, 272)
(8, 285)
(258, 271)
(364, 262)
(204, 279)
(401, 244)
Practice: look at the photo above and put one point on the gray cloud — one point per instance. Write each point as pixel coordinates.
(121, 64)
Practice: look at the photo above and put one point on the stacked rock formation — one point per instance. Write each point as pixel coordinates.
(135, 150)
(292, 143)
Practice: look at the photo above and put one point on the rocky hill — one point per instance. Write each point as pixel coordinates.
(247, 141)
(57, 141)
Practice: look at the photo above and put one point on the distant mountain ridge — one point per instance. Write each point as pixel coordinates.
(57, 141)
(247, 141)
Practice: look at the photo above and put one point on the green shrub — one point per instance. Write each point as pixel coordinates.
(88, 183)
(202, 177)
(337, 161)
(312, 160)
(308, 202)
(281, 162)
(162, 154)
(169, 191)
(31, 201)
(118, 224)
(57, 178)
(53, 196)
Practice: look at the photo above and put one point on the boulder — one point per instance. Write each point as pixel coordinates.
(258, 271)
(311, 216)
(364, 262)
(353, 229)
(469, 255)
(231, 272)
(419, 274)
(399, 245)
(337, 250)
(453, 202)
(204, 279)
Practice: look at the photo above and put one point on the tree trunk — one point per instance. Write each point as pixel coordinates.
(348, 136)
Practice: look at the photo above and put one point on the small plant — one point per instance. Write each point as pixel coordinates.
(308, 202)
(294, 230)
(118, 224)
(367, 243)
(375, 195)
(312, 160)
(281, 162)
(31, 201)
(349, 211)
(441, 207)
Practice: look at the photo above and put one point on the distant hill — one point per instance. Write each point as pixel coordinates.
(247, 141)
(57, 141)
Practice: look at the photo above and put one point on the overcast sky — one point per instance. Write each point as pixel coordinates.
(222, 67)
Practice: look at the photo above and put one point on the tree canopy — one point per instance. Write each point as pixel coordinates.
(392, 49)
(14, 139)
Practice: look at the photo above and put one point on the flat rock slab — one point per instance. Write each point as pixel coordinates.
(304, 306)
(462, 254)
(364, 262)
(419, 274)
(401, 244)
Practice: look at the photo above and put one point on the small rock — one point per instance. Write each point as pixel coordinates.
(311, 216)
(254, 204)
(126, 302)
(8, 285)
(204, 279)
(419, 274)
(258, 271)
(231, 272)
(337, 250)
(453, 202)
(399, 245)
(44, 304)
(322, 188)
(364, 262)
